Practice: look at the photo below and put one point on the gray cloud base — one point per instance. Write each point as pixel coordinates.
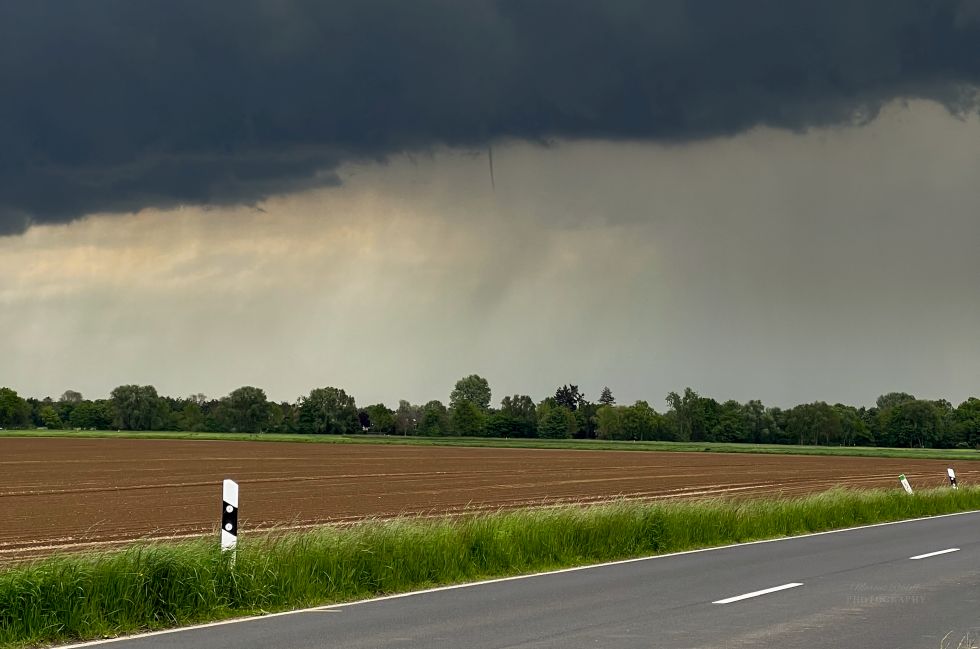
(113, 105)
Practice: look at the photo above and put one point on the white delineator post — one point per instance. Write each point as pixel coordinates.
(905, 483)
(952, 477)
(229, 515)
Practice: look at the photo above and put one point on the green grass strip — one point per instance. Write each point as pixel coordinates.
(496, 442)
(158, 586)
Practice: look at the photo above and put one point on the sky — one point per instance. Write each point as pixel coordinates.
(762, 200)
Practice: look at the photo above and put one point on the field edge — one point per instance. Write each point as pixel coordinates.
(518, 443)
(154, 587)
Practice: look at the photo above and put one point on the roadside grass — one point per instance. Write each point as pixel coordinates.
(156, 586)
(522, 443)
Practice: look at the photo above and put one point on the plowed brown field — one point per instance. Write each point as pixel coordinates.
(59, 495)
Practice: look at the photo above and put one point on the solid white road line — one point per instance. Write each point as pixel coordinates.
(934, 554)
(756, 593)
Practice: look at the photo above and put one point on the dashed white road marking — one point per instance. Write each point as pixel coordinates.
(933, 554)
(757, 593)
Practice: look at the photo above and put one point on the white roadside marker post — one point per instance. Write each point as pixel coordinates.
(952, 477)
(905, 483)
(229, 518)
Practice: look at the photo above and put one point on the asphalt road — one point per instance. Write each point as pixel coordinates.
(855, 588)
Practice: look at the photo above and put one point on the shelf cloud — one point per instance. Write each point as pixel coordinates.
(116, 106)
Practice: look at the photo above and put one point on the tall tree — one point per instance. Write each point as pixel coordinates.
(138, 407)
(434, 419)
(569, 397)
(606, 398)
(290, 417)
(694, 416)
(521, 412)
(50, 418)
(757, 422)
(467, 419)
(70, 396)
(731, 426)
(35, 405)
(585, 419)
(640, 421)
(814, 423)
(92, 414)
(555, 421)
(853, 430)
(682, 410)
(609, 420)
(892, 399)
(946, 433)
(15, 412)
(911, 423)
(247, 409)
(328, 410)
(967, 422)
(473, 389)
(190, 417)
(407, 418)
(381, 419)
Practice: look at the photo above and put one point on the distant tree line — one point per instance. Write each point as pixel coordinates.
(896, 419)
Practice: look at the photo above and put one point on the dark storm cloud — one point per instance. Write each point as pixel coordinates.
(114, 105)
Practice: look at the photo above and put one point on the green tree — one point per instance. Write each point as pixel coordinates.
(277, 418)
(92, 414)
(606, 398)
(474, 389)
(585, 419)
(15, 412)
(609, 422)
(290, 417)
(854, 431)
(892, 399)
(407, 418)
(330, 411)
(814, 423)
(138, 407)
(946, 433)
(967, 422)
(521, 412)
(872, 421)
(50, 418)
(695, 417)
(68, 401)
(500, 424)
(911, 423)
(757, 422)
(35, 406)
(640, 421)
(468, 419)
(190, 417)
(247, 409)
(434, 419)
(216, 419)
(569, 397)
(382, 419)
(731, 424)
(555, 421)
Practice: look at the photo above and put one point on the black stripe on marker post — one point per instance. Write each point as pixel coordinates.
(229, 515)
